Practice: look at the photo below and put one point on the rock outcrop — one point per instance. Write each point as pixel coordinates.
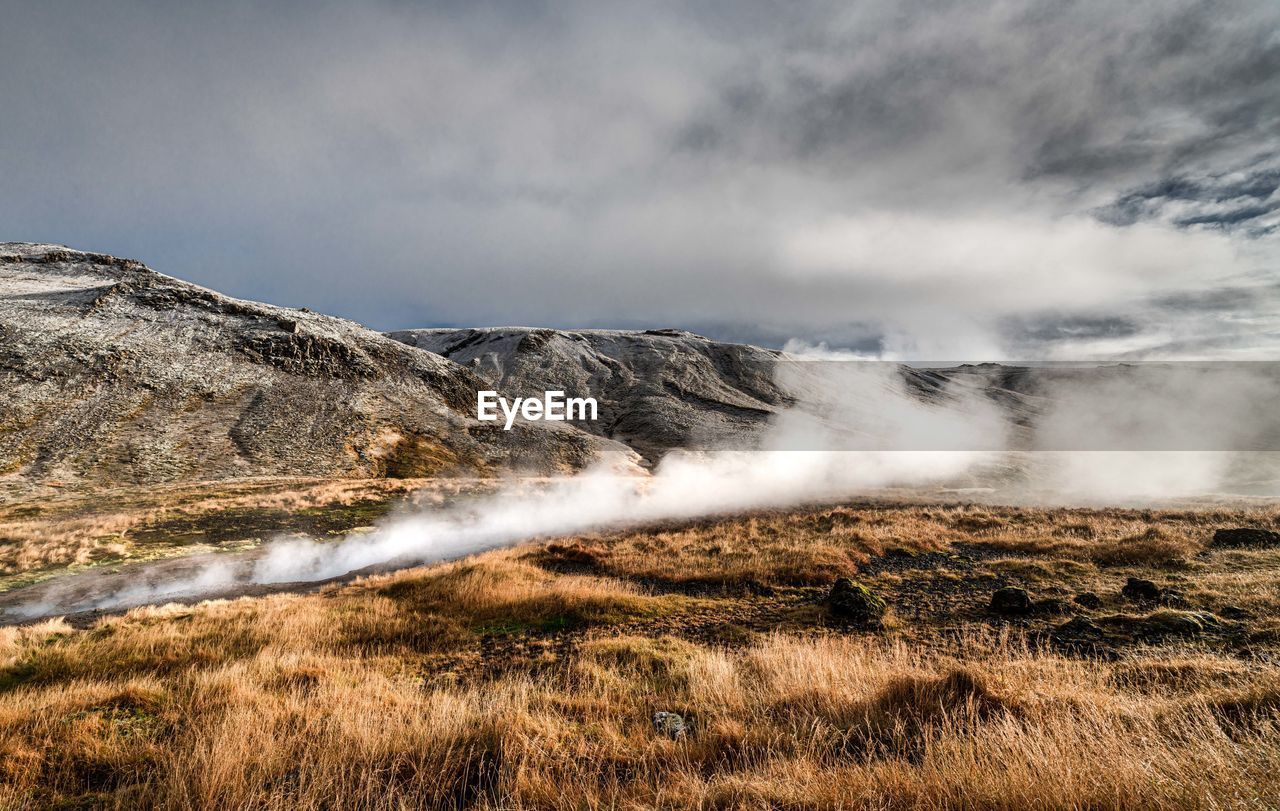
(1011, 600)
(853, 602)
(1245, 538)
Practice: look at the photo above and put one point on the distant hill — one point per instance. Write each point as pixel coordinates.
(663, 389)
(112, 372)
(657, 389)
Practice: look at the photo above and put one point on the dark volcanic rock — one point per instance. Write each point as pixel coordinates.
(113, 372)
(1011, 601)
(854, 602)
(1141, 591)
(1245, 537)
(1088, 600)
(1137, 590)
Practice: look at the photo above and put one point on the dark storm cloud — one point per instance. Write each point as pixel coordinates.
(903, 177)
(1083, 91)
(1231, 217)
(1049, 328)
(1241, 198)
(1225, 299)
(1194, 62)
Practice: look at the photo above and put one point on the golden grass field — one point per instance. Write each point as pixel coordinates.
(77, 528)
(528, 678)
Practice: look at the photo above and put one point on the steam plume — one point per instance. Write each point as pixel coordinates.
(855, 428)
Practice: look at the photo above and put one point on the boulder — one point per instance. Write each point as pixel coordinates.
(1088, 600)
(854, 602)
(1138, 590)
(1011, 601)
(1245, 537)
(670, 724)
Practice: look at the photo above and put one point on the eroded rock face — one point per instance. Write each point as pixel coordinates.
(657, 390)
(113, 372)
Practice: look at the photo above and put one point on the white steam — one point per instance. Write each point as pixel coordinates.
(855, 428)
(685, 485)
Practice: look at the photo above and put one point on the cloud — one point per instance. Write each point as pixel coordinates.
(1245, 201)
(909, 176)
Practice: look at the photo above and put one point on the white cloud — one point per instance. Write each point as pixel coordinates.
(918, 170)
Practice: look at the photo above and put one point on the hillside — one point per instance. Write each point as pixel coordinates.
(657, 389)
(115, 373)
(664, 389)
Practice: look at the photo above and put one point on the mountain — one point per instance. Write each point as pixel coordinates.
(664, 389)
(115, 373)
(656, 389)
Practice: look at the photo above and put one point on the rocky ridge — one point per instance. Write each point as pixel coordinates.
(115, 373)
(657, 389)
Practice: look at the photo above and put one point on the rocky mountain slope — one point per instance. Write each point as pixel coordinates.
(665, 389)
(112, 372)
(657, 389)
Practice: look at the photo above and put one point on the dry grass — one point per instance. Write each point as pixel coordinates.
(502, 595)
(775, 549)
(815, 723)
(816, 546)
(527, 678)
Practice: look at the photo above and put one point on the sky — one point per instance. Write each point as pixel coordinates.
(900, 179)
